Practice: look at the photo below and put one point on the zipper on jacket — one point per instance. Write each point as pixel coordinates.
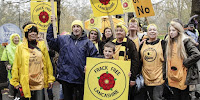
(76, 42)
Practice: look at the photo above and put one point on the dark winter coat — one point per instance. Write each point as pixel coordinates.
(72, 55)
(190, 62)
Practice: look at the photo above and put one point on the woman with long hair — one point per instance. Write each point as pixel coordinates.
(94, 35)
(107, 37)
(182, 56)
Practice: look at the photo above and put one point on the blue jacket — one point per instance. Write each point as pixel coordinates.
(72, 55)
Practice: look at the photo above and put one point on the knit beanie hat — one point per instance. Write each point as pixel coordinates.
(177, 26)
(122, 26)
(77, 22)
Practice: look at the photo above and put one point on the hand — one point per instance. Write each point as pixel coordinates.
(132, 83)
(50, 86)
(196, 43)
(9, 67)
(17, 87)
(53, 18)
(129, 74)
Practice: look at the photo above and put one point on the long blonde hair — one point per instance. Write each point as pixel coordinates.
(180, 45)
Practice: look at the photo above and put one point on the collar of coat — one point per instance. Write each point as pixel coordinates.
(84, 35)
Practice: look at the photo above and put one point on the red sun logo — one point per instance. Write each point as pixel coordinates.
(92, 21)
(125, 4)
(104, 2)
(106, 81)
(44, 16)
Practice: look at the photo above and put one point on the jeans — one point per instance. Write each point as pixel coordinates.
(179, 94)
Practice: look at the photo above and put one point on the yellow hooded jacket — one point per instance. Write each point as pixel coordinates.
(20, 71)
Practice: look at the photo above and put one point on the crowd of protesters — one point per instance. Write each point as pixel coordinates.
(166, 69)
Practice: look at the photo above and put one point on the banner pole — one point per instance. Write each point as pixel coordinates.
(112, 25)
(53, 21)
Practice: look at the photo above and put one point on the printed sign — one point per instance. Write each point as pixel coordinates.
(106, 79)
(143, 8)
(128, 6)
(41, 14)
(106, 7)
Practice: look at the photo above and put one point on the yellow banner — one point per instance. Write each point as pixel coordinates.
(128, 6)
(143, 8)
(106, 79)
(41, 14)
(106, 7)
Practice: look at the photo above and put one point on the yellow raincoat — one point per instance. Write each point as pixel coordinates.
(20, 70)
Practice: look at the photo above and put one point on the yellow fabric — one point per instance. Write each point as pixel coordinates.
(36, 75)
(96, 45)
(137, 43)
(176, 78)
(29, 26)
(119, 48)
(152, 57)
(20, 69)
(77, 22)
(122, 26)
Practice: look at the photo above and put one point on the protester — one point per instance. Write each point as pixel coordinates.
(182, 56)
(32, 69)
(73, 50)
(132, 32)
(9, 56)
(193, 33)
(94, 35)
(126, 50)
(3, 74)
(107, 37)
(152, 63)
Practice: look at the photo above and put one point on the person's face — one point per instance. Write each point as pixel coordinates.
(108, 33)
(108, 52)
(32, 36)
(16, 40)
(173, 33)
(93, 35)
(120, 33)
(77, 30)
(152, 32)
(133, 26)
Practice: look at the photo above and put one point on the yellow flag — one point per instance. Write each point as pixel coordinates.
(106, 79)
(106, 7)
(41, 14)
(94, 22)
(128, 6)
(143, 8)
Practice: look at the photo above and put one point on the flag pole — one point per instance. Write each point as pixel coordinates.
(112, 25)
(53, 21)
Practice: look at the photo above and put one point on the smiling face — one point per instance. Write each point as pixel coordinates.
(16, 40)
(108, 52)
(133, 26)
(173, 33)
(152, 32)
(120, 33)
(77, 30)
(108, 33)
(32, 36)
(93, 36)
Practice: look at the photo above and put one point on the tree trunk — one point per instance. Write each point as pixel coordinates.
(196, 10)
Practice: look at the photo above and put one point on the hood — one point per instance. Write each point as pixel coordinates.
(98, 33)
(11, 39)
(83, 36)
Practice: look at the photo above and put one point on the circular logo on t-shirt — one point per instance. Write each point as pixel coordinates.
(106, 80)
(150, 54)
